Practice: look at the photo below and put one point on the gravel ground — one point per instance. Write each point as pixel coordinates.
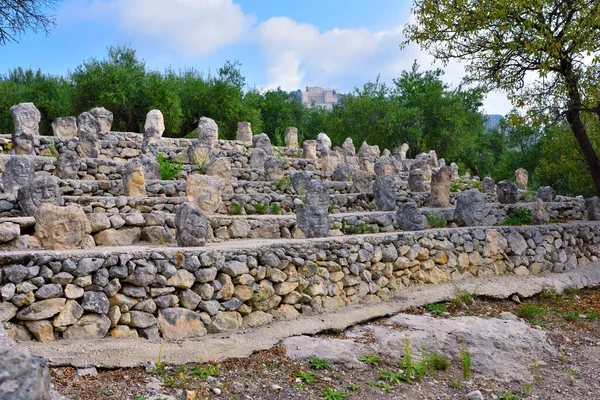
(571, 320)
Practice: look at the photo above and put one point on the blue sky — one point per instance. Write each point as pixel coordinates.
(280, 43)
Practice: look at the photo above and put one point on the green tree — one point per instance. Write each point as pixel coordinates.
(545, 54)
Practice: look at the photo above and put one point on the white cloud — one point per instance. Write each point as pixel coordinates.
(190, 27)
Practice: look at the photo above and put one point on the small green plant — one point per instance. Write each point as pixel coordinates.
(332, 394)
(465, 360)
(355, 387)
(236, 208)
(592, 315)
(330, 209)
(436, 308)
(298, 386)
(508, 396)
(527, 389)
(407, 355)
(437, 361)
(307, 377)
(392, 377)
(261, 207)
(551, 295)
(562, 356)
(370, 359)
(200, 161)
(460, 184)
(168, 170)
(319, 363)
(381, 385)
(283, 184)
(203, 372)
(463, 296)
(518, 216)
(52, 148)
(530, 195)
(275, 209)
(536, 373)
(455, 383)
(530, 312)
(437, 220)
(571, 316)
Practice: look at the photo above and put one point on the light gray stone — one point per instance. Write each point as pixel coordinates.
(18, 171)
(410, 218)
(191, 226)
(65, 127)
(470, 208)
(208, 132)
(41, 190)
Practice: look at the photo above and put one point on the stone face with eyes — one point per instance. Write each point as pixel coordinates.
(191, 226)
(43, 189)
(26, 118)
(67, 165)
(17, 172)
(208, 132)
(22, 142)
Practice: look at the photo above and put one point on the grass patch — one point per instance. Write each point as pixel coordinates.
(168, 169)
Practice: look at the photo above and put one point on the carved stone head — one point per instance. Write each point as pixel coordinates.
(155, 120)
(26, 117)
(191, 225)
(17, 172)
(43, 189)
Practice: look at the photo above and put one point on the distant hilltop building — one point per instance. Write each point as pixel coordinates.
(321, 97)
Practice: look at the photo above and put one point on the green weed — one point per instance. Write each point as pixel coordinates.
(530, 312)
(518, 216)
(261, 207)
(436, 308)
(275, 209)
(370, 359)
(319, 363)
(437, 220)
(307, 377)
(283, 184)
(465, 360)
(203, 372)
(168, 170)
(236, 208)
(332, 394)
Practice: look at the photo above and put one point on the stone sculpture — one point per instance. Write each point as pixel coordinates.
(258, 158)
(329, 160)
(156, 121)
(385, 166)
(273, 169)
(546, 194)
(17, 172)
(88, 128)
(507, 192)
(300, 181)
(348, 148)
(262, 141)
(362, 181)
(440, 187)
(244, 132)
(65, 127)
(410, 218)
(323, 143)
(309, 149)
(198, 154)
(22, 142)
(384, 191)
(455, 174)
(104, 118)
(26, 118)
(221, 167)
(67, 165)
(62, 228)
(134, 183)
(592, 206)
(342, 173)
(417, 181)
(488, 185)
(400, 152)
(208, 132)
(312, 215)
(32, 195)
(150, 167)
(539, 213)
(191, 226)
(367, 155)
(291, 137)
(205, 191)
(470, 208)
(521, 178)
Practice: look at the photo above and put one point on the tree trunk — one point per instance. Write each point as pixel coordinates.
(587, 149)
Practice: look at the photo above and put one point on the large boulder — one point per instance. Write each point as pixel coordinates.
(312, 220)
(522, 178)
(104, 118)
(67, 165)
(26, 118)
(61, 228)
(180, 323)
(410, 218)
(506, 192)
(205, 191)
(191, 225)
(23, 376)
(470, 208)
(440, 187)
(41, 190)
(220, 167)
(262, 141)
(546, 194)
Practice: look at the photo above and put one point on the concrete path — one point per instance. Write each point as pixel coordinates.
(111, 353)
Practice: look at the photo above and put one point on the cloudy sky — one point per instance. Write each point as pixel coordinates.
(280, 43)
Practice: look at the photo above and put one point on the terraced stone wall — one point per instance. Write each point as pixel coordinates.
(177, 293)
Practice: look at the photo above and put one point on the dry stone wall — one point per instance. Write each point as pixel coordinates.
(177, 292)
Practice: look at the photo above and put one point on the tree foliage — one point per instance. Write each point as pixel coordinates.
(545, 54)
(18, 16)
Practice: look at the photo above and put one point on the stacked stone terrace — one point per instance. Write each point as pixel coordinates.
(95, 244)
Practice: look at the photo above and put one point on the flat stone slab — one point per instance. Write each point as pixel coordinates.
(113, 353)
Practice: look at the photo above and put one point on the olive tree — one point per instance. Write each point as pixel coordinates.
(545, 54)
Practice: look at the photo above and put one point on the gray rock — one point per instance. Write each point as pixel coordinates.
(291, 137)
(205, 191)
(312, 220)
(208, 132)
(348, 148)
(64, 127)
(362, 181)
(474, 395)
(262, 141)
(49, 291)
(88, 128)
(342, 173)
(41, 309)
(150, 166)
(235, 268)
(244, 132)
(179, 323)
(309, 149)
(104, 118)
(323, 143)
(98, 222)
(300, 181)
(23, 376)
(385, 166)
(141, 319)
(273, 169)
(488, 185)
(440, 187)
(258, 158)
(95, 302)
(67, 165)
(417, 180)
(15, 273)
(22, 142)
(384, 191)
(592, 206)
(539, 213)
(204, 275)
(87, 265)
(546, 194)
(507, 192)
(90, 326)
(26, 118)
(18, 171)
(191, 226)
(43, 189)
(410, 218)
(470, 208)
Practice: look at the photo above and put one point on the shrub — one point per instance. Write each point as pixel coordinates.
(235, 208)
(168, 170)
(518, 216)
(437, 220)
(283, 184)
(275, 209)
(261, 207)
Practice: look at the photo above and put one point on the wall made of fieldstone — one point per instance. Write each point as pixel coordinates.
(187, 292)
